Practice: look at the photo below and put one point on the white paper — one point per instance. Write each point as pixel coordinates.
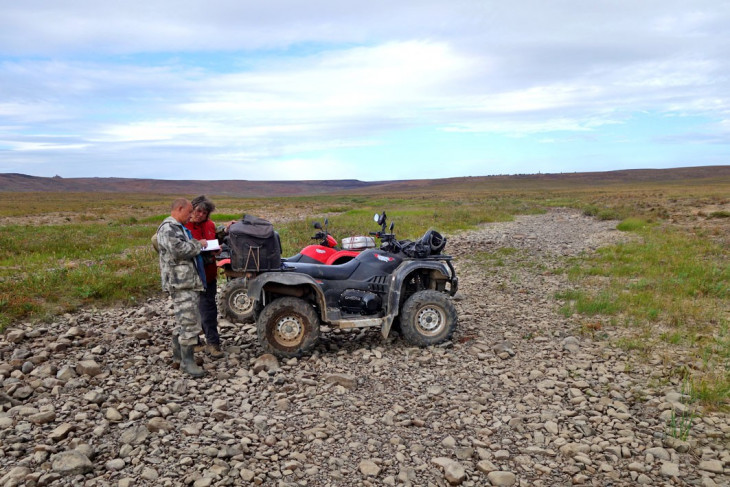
(212, 245)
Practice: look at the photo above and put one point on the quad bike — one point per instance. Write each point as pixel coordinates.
(233, 300)
(410, 282)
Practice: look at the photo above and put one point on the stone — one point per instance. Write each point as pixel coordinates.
(149, 473)
(368, 468)
(454, 473)
(485, 466)
(15, 476)
(659, 452)
(714, 466)
(70, 463)
(115, 464)
(266, 363)
(113, 415)
(155, 425)
(136, 435)
(501, 478)
(669, 469)
(61, 432)
(88, 367)
(44, 417)
(345, 380)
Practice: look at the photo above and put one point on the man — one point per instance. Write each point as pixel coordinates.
(182, 276)
(202, 228)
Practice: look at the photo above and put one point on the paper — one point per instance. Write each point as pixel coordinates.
(212, 245)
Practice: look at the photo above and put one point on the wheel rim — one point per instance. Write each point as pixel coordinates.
(288, 330)
(241, 303)
(430, 320)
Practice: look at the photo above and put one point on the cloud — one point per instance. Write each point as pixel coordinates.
(252, 85)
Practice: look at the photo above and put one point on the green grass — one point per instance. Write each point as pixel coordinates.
(670, 277)
(51, 269)
(632, 224)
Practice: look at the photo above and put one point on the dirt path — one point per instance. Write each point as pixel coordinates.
(516, 399)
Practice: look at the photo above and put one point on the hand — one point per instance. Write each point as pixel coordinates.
(203, 242)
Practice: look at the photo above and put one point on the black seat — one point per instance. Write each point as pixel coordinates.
(322, 271)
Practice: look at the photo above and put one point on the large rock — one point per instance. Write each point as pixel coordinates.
(71, 463)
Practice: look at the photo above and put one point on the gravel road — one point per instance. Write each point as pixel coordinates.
(517, 398)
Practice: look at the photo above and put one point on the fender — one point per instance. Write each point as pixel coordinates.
(399, 276)
(256, 285)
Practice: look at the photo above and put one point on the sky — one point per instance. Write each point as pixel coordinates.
(377, 90)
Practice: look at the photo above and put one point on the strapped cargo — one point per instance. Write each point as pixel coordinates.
(255, 246)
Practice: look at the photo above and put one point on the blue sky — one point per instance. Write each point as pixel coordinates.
(373, 90)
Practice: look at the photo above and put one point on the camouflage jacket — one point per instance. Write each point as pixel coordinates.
(177, 257)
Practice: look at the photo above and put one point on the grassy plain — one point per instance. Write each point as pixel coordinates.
(667, 289)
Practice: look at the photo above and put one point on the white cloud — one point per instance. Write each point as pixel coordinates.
(262, 81)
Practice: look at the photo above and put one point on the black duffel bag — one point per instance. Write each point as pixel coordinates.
(254, 245)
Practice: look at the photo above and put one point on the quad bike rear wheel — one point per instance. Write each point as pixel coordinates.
(428, 318)
(234, 303)
(288, 327)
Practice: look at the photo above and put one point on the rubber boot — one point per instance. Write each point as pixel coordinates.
(176, 350)
(188, 362)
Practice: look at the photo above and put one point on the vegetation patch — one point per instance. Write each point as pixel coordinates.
(670, 277)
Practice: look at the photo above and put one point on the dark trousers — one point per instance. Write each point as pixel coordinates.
(209, 314)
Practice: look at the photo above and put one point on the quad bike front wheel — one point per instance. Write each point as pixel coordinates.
(234, 303)
(288, 327)
(428, 318)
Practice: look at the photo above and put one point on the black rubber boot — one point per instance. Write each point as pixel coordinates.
(175, 349)
(188, 362)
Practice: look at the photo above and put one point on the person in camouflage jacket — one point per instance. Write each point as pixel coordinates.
(180, 270)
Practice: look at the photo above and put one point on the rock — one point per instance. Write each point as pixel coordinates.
(61, 432)
(150, 474)
(155, 425)
(44, 417)
(345, 380)
(714, 466)
(571, 344)
(136, 435)
(70, 463)
(669, 469)
(660, 453)
(113, 415)
(486, 466)
(369, 468)
(15, 336)
(115, 465)
(266, 363)
(454, 473)
(88, 367)
(501, 478)
(15, 476)
(551, 427)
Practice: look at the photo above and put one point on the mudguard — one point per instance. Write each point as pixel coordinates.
(256, 285)
(404, 270)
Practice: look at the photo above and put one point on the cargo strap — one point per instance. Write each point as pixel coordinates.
(254, 253)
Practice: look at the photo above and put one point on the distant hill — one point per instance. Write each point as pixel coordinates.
(24, 183)
(13, 182)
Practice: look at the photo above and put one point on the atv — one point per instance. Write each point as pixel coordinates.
(233, 301)
(403, 283)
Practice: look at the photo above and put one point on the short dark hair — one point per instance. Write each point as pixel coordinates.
(204, 203)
